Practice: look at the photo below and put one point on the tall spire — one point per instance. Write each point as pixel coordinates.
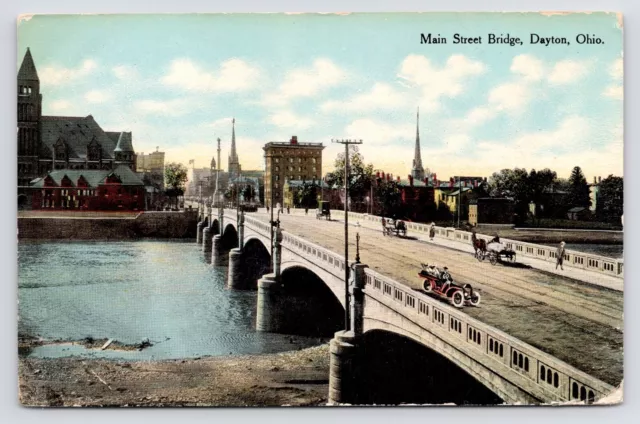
(417, 171)
(28, 68)
(234, 164)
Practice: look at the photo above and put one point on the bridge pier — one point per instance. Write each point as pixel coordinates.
(207, 239)
(217, 250)
(343, 372)
(270, 315)
(237, 278)
(199, 229)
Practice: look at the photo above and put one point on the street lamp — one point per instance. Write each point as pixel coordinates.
(272, 222)
(346, 143)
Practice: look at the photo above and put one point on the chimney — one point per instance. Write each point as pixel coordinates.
(398, 179)
(599, 180)
(594, 180)
(411, 180)
(426, 181)
(294, 139)
(378, 174)
(388, 177)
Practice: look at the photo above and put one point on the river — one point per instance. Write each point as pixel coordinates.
(161, 290)
(608, 250)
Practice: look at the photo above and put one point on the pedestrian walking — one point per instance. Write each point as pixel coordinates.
(432, 231)
(560, 255)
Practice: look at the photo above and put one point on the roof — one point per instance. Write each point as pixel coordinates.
(124, 143)
(77, 132)
(416, 183)
(94, 177)
(455, 193)
(28, 68)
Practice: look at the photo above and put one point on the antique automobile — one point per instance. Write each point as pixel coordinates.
(439, 282)
(394, 227)
(323, 210)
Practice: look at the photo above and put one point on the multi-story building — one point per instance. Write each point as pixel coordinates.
(47, 143)
(152, 166)
(289, 160)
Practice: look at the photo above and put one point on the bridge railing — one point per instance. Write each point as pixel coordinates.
(572, 258)
(516, 361)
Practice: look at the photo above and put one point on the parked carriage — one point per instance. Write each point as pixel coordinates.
(496, 252)
(440, 283)
(394, 228)
(323, 210)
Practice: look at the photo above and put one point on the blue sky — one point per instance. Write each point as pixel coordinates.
(177, 80)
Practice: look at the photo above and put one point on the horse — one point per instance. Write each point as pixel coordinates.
(401, 227)
(478, 244)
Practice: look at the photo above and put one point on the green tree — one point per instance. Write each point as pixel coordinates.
(360, 176)
(578, 189)
(610, 203)
(512, 183)
(387, 195)
(175, 178)
(539, 182)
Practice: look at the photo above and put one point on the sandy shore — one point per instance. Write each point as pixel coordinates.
(297, 378)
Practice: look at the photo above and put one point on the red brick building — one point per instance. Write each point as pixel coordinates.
(70, 189)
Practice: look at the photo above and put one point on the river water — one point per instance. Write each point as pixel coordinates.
(161, 290)
(608, 250)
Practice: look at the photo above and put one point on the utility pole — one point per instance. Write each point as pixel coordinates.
(272, 222)
(346, 143)
(459, 199)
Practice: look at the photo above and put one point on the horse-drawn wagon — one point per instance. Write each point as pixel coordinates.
(323, 210)
(495, 250)
(394, 228)
(440, 283)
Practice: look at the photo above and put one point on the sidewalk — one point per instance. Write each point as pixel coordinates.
(613, 283)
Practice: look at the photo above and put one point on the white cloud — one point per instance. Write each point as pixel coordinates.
(616, 69)
(571, 131)
(510, 97)
(59, 105)
(124, 72)
(97, 96)
(56, 75)
(434, 81)
(374, 132)
(175, 107)
(528, 66)
(614, 91)
(568, 72)
(233, 75)
(308, 82)
(479, 115)
(289, 120)
(381, 96)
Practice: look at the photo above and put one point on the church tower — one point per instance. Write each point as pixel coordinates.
(417, 172)
(29, 114)
(234, 164)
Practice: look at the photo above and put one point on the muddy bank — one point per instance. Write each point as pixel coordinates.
(297, 378)
(26, 343)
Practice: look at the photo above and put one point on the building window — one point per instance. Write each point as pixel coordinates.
(277, 168)
(313, 160)
(277, 185)
(299, 160)
(290, 160)
(277, 177)
(277, 160)
(314, 169)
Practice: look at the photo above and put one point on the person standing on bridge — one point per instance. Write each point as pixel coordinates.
(432, 231)
(560, 255)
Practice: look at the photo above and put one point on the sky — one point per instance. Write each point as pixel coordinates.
(176, 82)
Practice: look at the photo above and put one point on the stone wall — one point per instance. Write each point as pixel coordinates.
(147, 224)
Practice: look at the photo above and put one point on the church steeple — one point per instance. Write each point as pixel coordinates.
(417, 172)
(234, 164)
(27, 70)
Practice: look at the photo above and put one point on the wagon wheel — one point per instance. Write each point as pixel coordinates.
(493, 258)
(480, 255)
(457, 299)
(427, 286)
(474, 300)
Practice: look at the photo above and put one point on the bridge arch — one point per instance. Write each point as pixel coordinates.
(229, 237)
(311, 307)
(395, 367)
(256, 261)
(215, 226)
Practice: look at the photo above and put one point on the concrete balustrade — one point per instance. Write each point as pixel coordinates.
(586, 261)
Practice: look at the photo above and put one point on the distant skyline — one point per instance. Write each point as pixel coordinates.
(176, 81)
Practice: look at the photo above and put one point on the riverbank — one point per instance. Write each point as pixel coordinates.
(298, 378)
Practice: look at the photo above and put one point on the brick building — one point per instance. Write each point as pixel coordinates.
(290, 160)
(152, 166)
(48, 143)
(89, 189)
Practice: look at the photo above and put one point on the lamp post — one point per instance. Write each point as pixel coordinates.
(459, 199)
(271, 221)
(346, 143)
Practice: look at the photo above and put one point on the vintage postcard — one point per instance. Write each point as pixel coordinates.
(320, 209)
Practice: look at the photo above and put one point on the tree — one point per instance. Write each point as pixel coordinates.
(514, 184)
(539, 182)
(361, 175)
(388, 196)
(610, 202)
(175, 177)
(578, 189)
(307, 195)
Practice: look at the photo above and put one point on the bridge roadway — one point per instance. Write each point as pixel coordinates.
(578, 323)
